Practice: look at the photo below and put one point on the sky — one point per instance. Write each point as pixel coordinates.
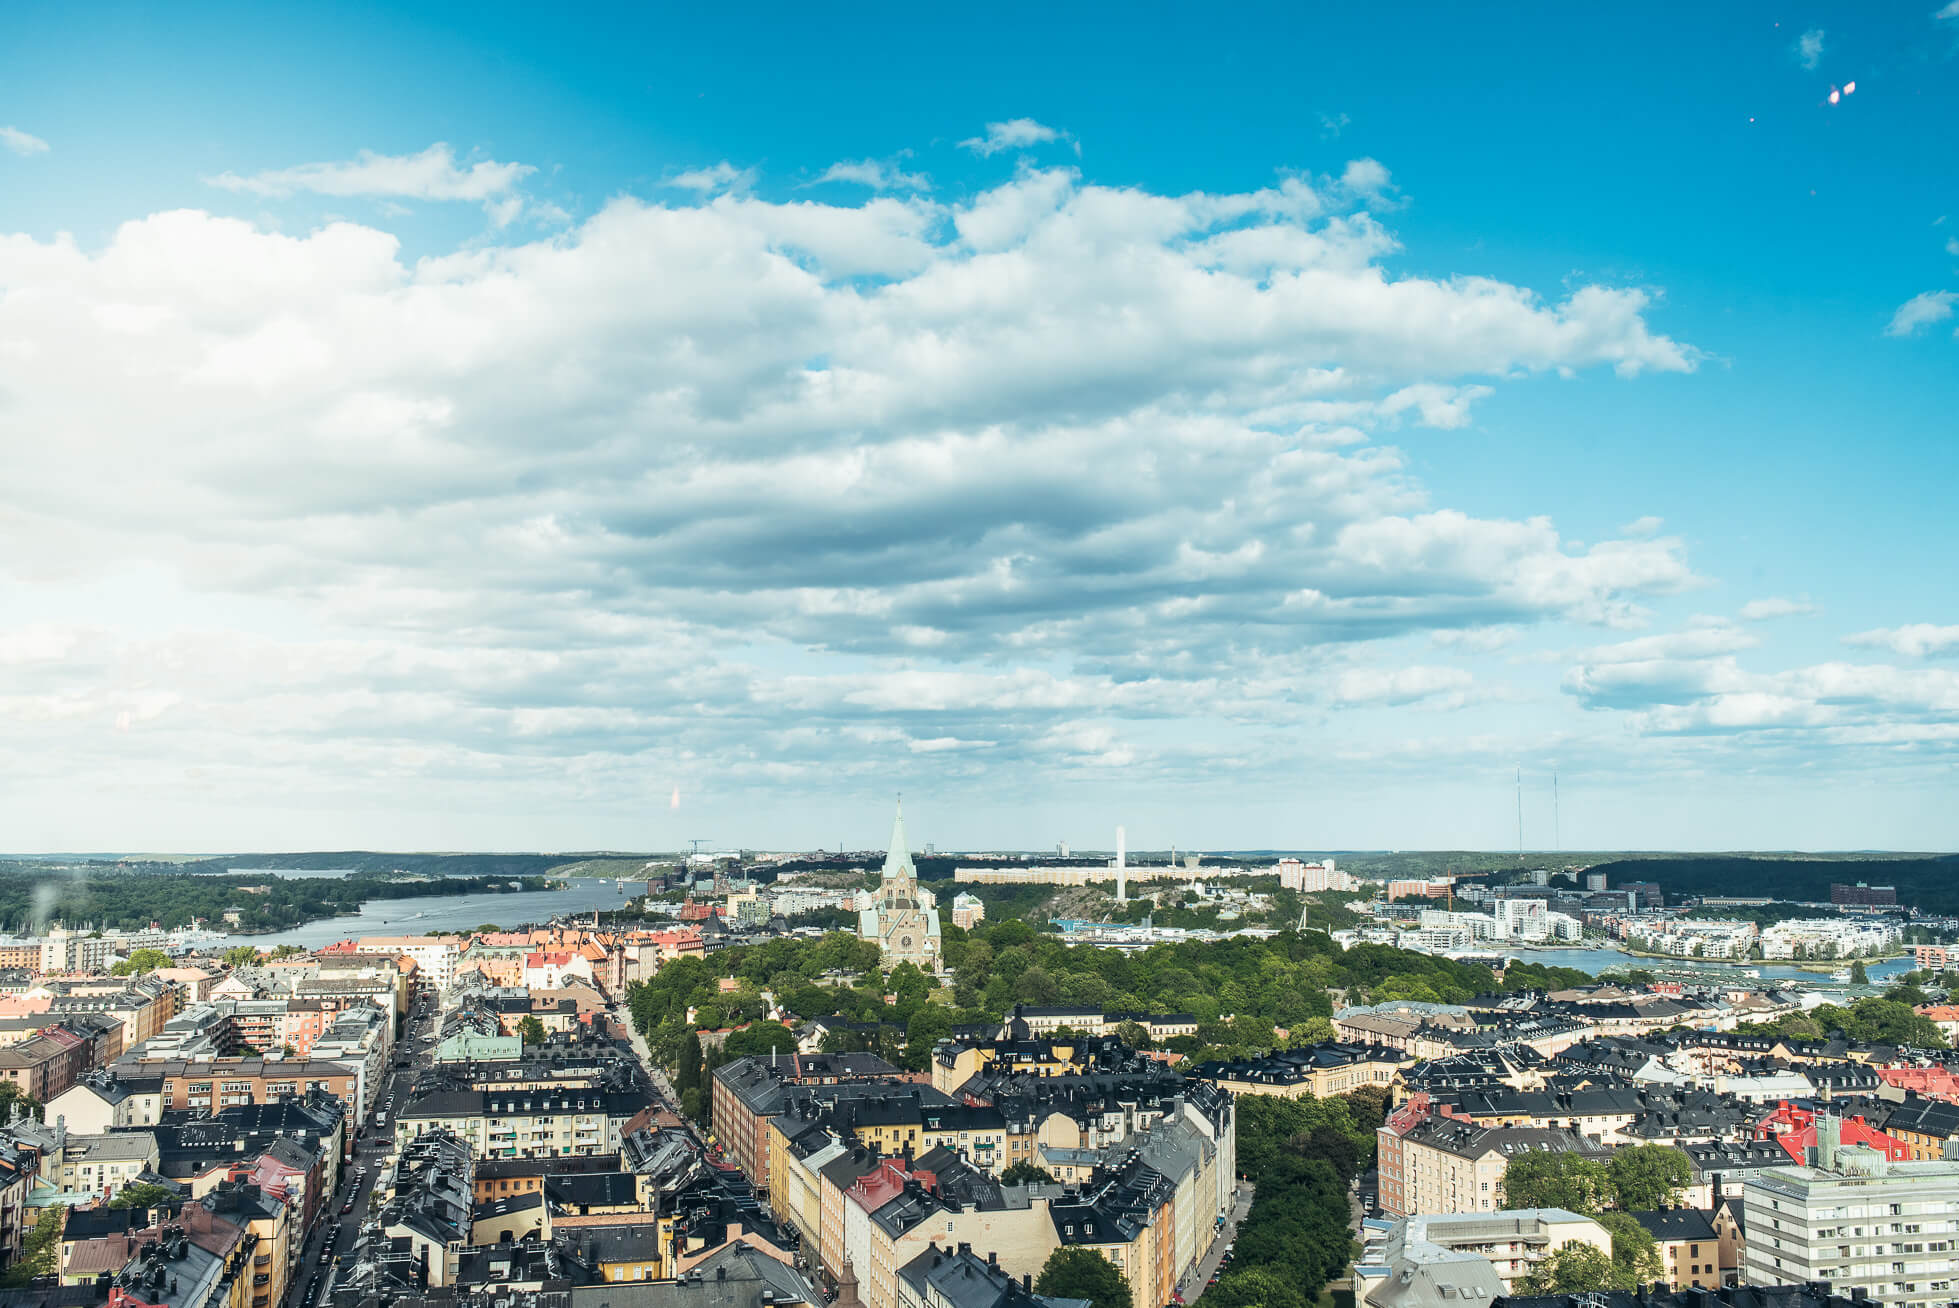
(1276, 427)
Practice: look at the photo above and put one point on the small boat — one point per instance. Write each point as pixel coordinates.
(1841, 975)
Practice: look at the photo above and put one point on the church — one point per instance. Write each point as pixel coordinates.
(903, 920)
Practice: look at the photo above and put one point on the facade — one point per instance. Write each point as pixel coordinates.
(902, 920)
(1858, 1221)
(968, 910)
(211, 1084)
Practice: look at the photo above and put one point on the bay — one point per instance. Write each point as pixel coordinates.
(421, 914)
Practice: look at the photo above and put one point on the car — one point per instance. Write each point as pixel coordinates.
(346, 1208)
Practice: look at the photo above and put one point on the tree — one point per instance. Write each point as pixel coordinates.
(1073, 1272)
(693, 1106)
(142, 1194)
(287, 951)
(759, 1041)
(1649, 1176)
(39, 1251)
(1555, 1180)
(1577, 1268)
(1255, 1287)
(929, 1025)
(687, 1075)
(1858, 977)
(141, 961)
(241, 956)
(531, 1030)
(1022, 1172)
(1635, 1255)
(10, 1095)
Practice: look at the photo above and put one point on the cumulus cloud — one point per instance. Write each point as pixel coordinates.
(1693, 685)
(1776, 606)
(1014, 134)
(1916, 640)
(1809, 48)
(1025, 484)
(1368, 178)
(433, 174)
(1922, 310)
(22, 143)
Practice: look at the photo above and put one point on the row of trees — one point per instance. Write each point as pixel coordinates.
(1888, 1019)
(1301, 1155)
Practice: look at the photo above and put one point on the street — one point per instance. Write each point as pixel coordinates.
(329, 1248)
(1192, 1287)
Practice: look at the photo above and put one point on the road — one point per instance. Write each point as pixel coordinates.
(329, 1248)
(663, 1092)
(1192, 1287)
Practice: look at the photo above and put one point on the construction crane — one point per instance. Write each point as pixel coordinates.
(698, 842)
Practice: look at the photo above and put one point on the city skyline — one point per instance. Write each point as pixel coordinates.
(427, 431)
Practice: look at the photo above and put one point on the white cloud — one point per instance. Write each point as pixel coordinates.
(1952, 245)
(1949, 11)
(432, 174)
(1331, 125)
(1809, 48)
(22, 143)
(1366, 177)
(1045, 481)
(1643, 526)
(1776, 606)
(1014, 134)
(1917, 640)
(723, 176)
(1922, 310)
(878, 174)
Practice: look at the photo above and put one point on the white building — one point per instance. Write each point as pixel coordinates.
(1829, 938)
(1857, 1221)
(968, 911)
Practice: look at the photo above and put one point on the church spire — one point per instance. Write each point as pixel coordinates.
(897, 859)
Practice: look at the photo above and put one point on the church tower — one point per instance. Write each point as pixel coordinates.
(904, 922)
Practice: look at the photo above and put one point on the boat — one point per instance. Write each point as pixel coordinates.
(1841, 976)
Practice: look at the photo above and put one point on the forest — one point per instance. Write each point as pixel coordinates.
(108, 900)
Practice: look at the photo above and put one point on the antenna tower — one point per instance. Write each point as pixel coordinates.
(1557, 827)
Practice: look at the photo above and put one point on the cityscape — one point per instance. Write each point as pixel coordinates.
(1256, 656)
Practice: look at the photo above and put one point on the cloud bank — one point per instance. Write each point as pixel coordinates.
(741, 496)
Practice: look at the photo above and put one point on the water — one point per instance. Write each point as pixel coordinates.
(1598, 960)
(421, 914)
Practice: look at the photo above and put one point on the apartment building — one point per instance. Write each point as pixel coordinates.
(1434, 1164)
(1513, 1241)
(1859, 1221)
(1313, 1071)
(214, 1083)
(45, 1063)
(523, 1123)
(100, 1164)
(747, 1092)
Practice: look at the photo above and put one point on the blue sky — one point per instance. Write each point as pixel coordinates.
(1270, 428)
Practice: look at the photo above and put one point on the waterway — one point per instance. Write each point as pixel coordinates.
(421, 914)
(1598, 960)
